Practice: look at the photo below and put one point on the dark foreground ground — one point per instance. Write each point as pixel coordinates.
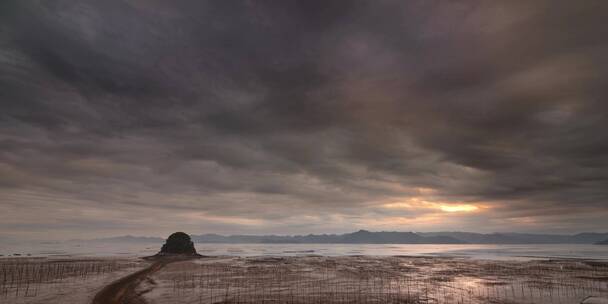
(310, 279)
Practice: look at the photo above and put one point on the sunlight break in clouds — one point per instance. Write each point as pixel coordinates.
(418, 204)
(458, 208)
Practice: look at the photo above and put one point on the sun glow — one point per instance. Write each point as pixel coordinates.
(458, 208)
(415, 203)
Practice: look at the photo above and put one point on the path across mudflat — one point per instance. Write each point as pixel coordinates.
(122, 291)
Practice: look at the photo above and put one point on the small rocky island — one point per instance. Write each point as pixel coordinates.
(178, 243)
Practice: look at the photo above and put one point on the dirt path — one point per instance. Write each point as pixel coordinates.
(122, 291)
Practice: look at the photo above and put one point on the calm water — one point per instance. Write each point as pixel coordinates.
(472, 251)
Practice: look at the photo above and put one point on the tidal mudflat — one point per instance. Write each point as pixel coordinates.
(64, 280)
(367, 279)
(308, 279)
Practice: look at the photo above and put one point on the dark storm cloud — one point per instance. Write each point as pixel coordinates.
(283, 115)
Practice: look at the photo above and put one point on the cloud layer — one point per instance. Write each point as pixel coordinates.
(145, 117)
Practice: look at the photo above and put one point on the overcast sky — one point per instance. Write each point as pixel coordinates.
(147, 117)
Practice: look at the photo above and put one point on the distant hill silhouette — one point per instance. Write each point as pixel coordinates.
(359, 237)
(604, 242)
(125, 239)
(523, 238)
(368, 237)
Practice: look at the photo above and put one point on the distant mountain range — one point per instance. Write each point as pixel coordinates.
(367, 237)
(359, 237)
(124, 239)
(522, 238)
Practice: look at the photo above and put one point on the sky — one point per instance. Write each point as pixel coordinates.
(295, 117)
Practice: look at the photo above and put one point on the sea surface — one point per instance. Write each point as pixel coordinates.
(492, 252)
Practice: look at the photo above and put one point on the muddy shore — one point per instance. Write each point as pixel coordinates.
(366, 279)
(305, 279)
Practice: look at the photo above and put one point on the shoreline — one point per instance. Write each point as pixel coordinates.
(494, 252)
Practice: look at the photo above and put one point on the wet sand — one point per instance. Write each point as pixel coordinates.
(303, 279)
(367, 279)
(60, 279)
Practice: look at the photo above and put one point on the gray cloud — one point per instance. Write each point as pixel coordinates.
(301, 116)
